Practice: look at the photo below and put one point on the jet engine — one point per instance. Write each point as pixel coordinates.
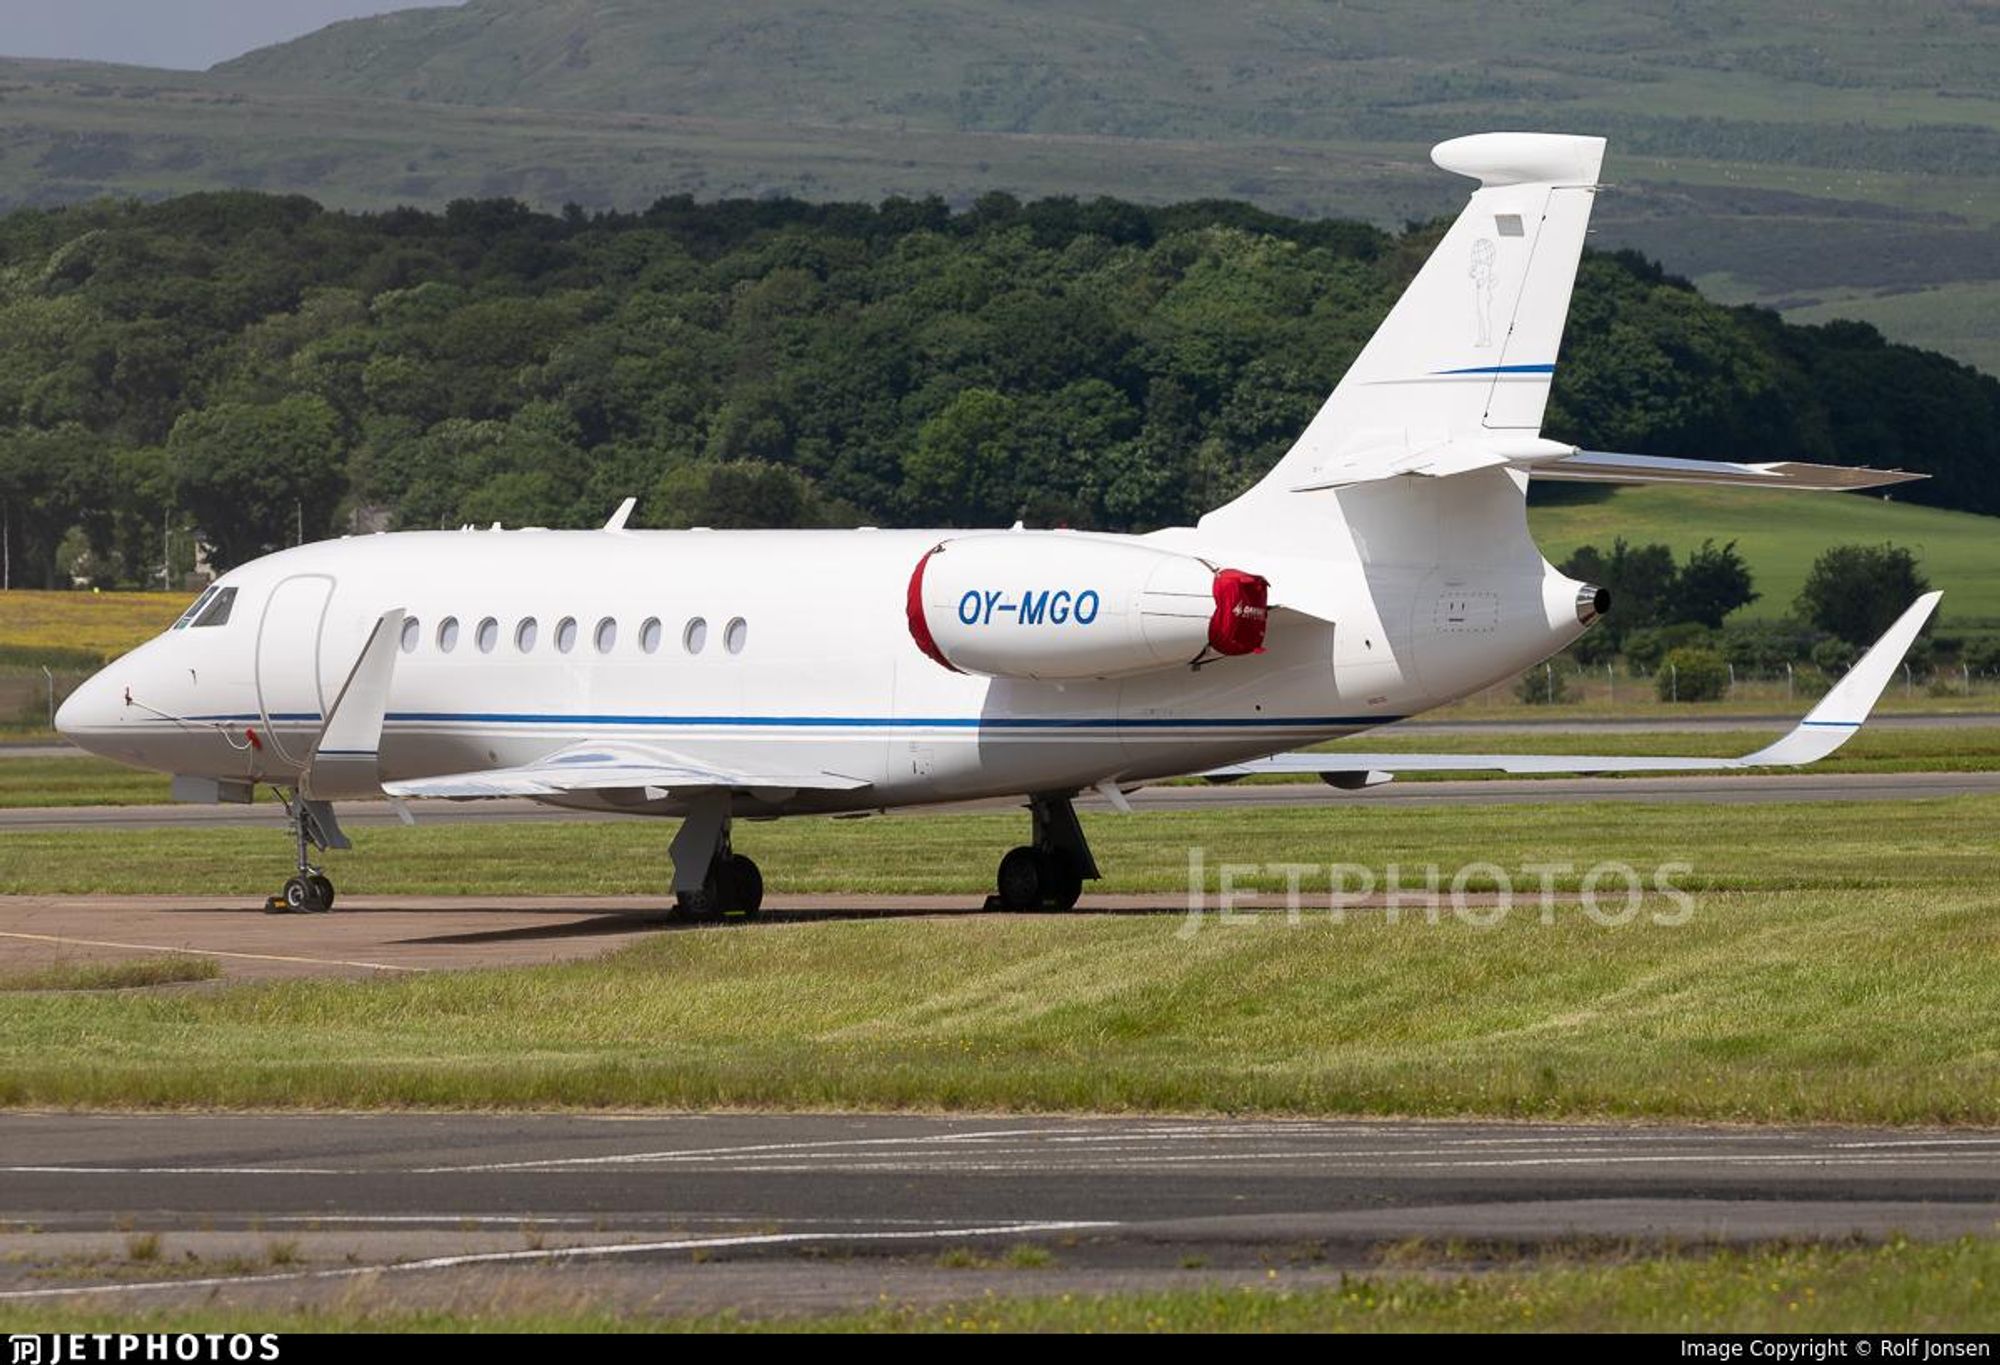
(1054, 606)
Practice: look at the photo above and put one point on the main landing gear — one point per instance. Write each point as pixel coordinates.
(310, 890)
(1049, 873)
(711, 881)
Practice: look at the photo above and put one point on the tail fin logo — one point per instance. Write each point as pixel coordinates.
(1485, 274)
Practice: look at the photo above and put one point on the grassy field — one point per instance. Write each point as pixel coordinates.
(107, 623)
(1900, 1287)
(1837, 963)
(1780, 535)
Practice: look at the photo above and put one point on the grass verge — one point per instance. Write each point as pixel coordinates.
(1899, 1287)
(1836, 963)
(110, 975)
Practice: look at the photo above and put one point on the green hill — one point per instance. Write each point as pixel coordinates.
(1780, 535)
(1855, 165)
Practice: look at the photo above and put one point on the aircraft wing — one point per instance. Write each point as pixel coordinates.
(609, 767)
(1826, 727)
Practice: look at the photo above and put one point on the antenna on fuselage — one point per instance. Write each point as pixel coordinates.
(623, 514)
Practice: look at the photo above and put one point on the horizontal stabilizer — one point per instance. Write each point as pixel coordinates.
(1598, 466)
(1826, 727)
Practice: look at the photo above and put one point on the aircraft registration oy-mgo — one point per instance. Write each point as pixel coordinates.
(1382, 568)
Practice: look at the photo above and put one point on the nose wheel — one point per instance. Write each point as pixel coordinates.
(309, 891)
(311, 894)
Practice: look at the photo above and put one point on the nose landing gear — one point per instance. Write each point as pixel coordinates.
(310, 890)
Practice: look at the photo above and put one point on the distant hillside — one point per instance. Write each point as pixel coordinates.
(1851, 165)
(1780, 535)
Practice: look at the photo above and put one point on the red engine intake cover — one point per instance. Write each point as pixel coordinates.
(1242, 611)
(913, 606)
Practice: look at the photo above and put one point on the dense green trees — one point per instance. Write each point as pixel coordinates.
(1649, 591)
(1855, 592)
(259, 366)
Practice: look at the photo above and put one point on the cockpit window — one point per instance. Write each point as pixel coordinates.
(216, 613)
(195, 606)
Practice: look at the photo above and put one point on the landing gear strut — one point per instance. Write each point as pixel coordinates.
(1048, 874)
(711, 881)
(310, 890)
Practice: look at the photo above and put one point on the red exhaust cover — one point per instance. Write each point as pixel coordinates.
(1242, 610)
(920, 629)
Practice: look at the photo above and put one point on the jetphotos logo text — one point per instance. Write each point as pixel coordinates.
(1480, 894)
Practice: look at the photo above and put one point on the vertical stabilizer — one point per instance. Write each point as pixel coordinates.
(1467, 354)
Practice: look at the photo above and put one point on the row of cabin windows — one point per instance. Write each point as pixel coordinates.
(486, 635)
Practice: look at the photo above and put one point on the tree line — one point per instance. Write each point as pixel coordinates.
(256, 369)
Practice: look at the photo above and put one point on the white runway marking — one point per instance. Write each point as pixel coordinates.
(714, 1153)
(598, 1251)
(207, 952)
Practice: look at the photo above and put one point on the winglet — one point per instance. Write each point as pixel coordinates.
(622, 515)
(1840, 712)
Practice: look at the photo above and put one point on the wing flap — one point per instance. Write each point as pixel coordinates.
(599, 767)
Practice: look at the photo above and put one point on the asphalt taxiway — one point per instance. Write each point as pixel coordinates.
(829, 1210)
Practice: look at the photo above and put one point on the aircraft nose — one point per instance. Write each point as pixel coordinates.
(90, 711)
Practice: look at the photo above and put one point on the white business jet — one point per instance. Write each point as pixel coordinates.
(1382, 568)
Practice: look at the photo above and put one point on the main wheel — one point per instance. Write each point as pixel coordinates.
(1020, 881)
(322, 888)
(699, 907)
(739, 886)
(1062, 883)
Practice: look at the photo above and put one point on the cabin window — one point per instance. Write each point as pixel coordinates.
(649, 635)
(524, 635)
(447, 635)
(216, 613)
(695, 635)
(735, 635)
(412, 628)
(606, 635)
(487, 636)
(566, 635)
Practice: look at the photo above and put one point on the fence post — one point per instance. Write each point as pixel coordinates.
(1674, 681)
(1907, 683)
(1611, 681)
(50, 678)
(1788, 681)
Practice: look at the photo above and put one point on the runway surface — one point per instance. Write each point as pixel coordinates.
(819, 1211)
(1730, 789)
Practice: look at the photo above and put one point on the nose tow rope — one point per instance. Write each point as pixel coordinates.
(251, 740)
